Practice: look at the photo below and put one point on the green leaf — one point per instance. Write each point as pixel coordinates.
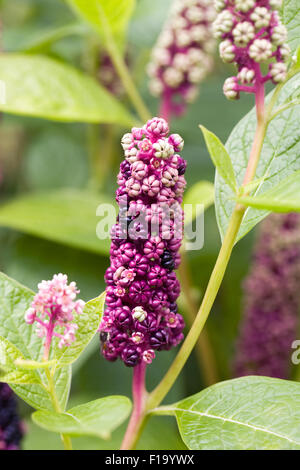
(291, 19)
(9, 373)
(249, 413)
(44, 39)
(200, 193)
(220, 158)
(15, 299)
(101, 14)
(285, 197)
(88, 324)
(279, 158)
(96, 418)
(64, 216)
(45, 88)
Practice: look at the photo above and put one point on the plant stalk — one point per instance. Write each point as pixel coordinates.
(137, 418)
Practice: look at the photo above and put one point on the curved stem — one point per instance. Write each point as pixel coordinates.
(204, 350)
(139, 395)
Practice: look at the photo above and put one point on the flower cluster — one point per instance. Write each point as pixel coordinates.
(141, 315)
(53, 310)
(11, 429)
(108, 76)
(272, 301)
(181, 57)
(252, 34)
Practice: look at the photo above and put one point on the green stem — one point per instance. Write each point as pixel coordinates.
(64, 437)
(124, 74)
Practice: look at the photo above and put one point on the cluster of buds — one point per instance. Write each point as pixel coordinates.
(141, 315)
(108, 76)
(53, 310)
(272, 300)
(252, 35)
(182, 56)
(11, 428)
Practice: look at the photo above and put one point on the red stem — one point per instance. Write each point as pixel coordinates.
(139, 400)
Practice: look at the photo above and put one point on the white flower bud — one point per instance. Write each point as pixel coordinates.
(278, 72)
(243, 33)
(261, 17)
(177, 141)
(139, 314)
(156, 87)
(279, 35)
(226, 50)
(196, 56)
(230, 88)
(127, 141)
(191, 94)
(198, 33)
(223, 23)
(246, 75)
(195, 14)
(181, 61)
(161, 56)
(196, 74)
(183, 37)
(163, 149)
(152, 70)
(260, 50)
(166, 38)
(170, 177)
(244, 5)
(131, 155)
(220, 5)
(285, 51)
(179, 22)
(173, 77)
(275, 4)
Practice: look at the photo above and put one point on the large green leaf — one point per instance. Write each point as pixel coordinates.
(96, 418)
(279, 158)
(200, 193)
(88, 324)
(245, 413)
(15, 299)
(66, 216)
(284, 197)
(42, 87)
(102, 13)
(291, 18)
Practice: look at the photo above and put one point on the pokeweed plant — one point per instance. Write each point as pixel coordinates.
(256, 173)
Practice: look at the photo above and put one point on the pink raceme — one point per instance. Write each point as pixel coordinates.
(182, 56)
(141, 316)
(252, 36)
(53, 309)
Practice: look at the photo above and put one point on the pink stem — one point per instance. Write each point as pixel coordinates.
(139, 398)
(165, 108)
(48, 340)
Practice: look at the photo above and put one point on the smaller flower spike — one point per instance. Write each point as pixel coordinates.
(182, 56)
(11, 428)
(141, 315)
(252, 35)
(53, 310)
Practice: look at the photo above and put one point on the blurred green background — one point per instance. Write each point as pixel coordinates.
(39, 155)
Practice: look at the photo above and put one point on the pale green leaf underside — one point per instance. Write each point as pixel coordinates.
(15, 299)
(88, 324)
(291, 19)
(255, 413)
(96, 418)
(200, 193)
(66, 216)
(42, 87)
(279, 158)
(220, 158)
(285, 197)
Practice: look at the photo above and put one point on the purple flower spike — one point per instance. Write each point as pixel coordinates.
(141, 315)
(11, 428)
(272, 300)
(252, 35)
(53, 310)
(182, 56)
